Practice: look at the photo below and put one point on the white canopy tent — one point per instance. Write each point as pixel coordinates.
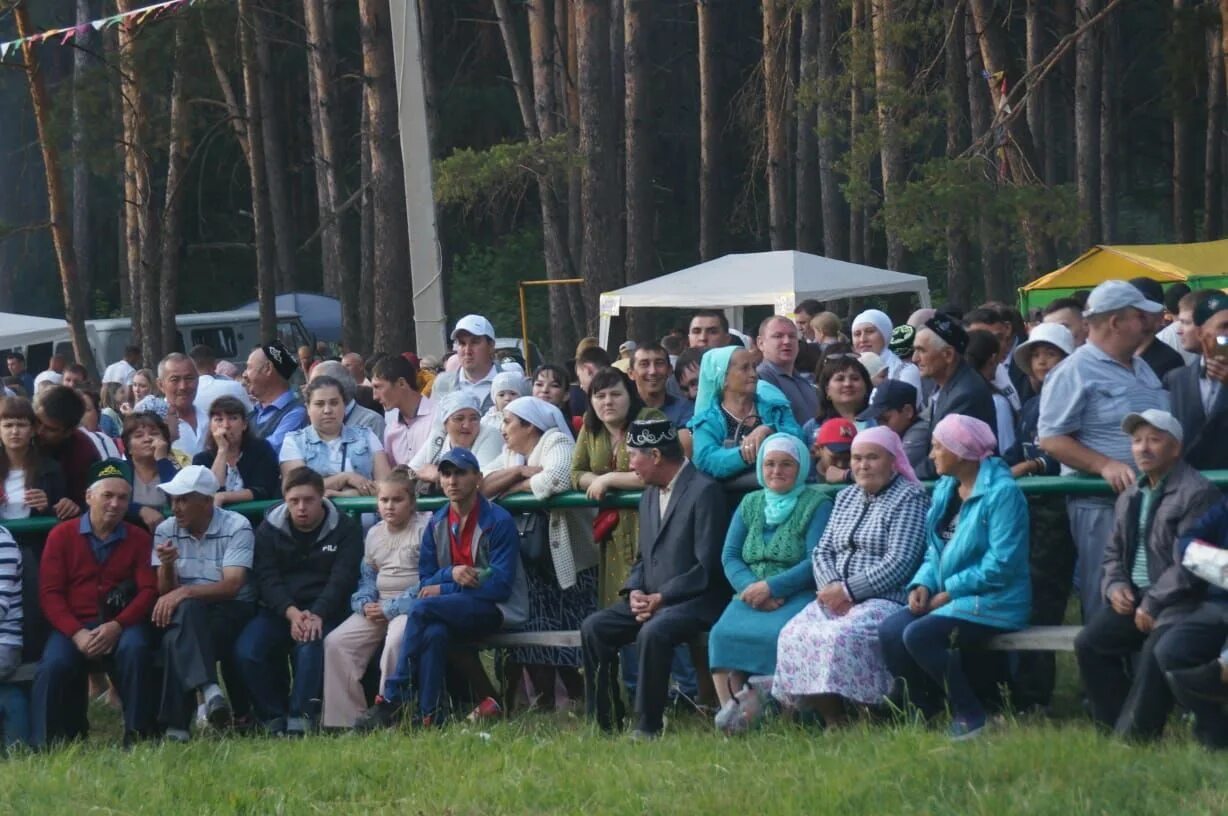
(18, 330)
(777, 279)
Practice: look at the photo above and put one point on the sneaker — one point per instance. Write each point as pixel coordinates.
(384, 714)
(180, 735)
(639, 735)
(296, 727)
(1205, 682)
(488, 709)
(964, 729)
(725, 718)
(217, 710)
(275, 727)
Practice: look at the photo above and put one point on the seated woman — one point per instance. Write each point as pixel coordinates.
(974, 582)
(505, 387)
(600, 464)
(245, 467)
(828, 655)
(563, 584)
(148, 443)
(32, 483)
(387, 586)
(767, 561)
(457, 424)
(734, 413)
(350, 459)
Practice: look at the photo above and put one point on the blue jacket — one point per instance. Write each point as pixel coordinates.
(496, 545)
(1213, 529)
(984, 567)
(709, 451)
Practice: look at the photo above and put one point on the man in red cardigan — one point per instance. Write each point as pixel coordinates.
(96, 588)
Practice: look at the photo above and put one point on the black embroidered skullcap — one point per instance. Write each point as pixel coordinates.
(652, 433)
(281, 358)
(949, 330)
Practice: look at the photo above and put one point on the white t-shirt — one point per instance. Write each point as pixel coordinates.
(210, 388)
(14, 506)
(120, 372)
(290, 451)
(191, 440)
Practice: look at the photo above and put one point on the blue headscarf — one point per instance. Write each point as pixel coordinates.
(778, 506)
(713, 367)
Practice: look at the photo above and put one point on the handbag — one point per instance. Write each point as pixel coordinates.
(1208, 562)
(605, 524)
(534, 531)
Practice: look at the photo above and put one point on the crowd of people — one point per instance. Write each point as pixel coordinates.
(812, 603)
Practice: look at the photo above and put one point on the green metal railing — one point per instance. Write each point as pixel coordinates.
(1032, 486)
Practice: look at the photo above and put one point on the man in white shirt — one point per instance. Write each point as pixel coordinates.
(189, 425)
(474, 340)
(213, 385)
(123, 370)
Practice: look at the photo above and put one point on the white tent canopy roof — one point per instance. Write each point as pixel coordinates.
(777, 279)
(25, 330)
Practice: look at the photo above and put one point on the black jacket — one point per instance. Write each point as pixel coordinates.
(257, 465)
(1204, 445)
(317, 579)
(965, 393)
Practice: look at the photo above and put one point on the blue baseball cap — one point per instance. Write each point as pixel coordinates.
(461, 458)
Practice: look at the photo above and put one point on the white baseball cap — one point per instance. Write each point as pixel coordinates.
(476, 325)
(192, 479)
(1117, 294)
(1055, 334)
(1160, 420)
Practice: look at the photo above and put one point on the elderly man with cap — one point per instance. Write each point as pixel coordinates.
(1081, 407)
(278, 411)
(96, 590)
(872, 331)
(1199, 398)
(1162, 357)
(778, 342)
(203, 555)
(894, 404)
(356, 416)
(474, 341)
(677, 588)
(472, 584)
(938, 350)
(1147, 589)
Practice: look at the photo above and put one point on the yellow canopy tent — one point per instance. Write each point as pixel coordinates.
(1200, 266)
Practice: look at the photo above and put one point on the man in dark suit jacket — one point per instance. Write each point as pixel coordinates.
(1198, 392)
(677, 587)
(938, 351)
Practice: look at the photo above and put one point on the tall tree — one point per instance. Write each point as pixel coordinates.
(600, 261)
(711, 160)
(366, 226)
(809, 235)
(1213, 177)
(275, 161)
(1036, 43)
(827, 71)
(992, 250)
(776, 119)
(61, 237)
(82, 229)
(262, 220)
(639, 139)
(1087, 123)
(394, 327)
(172, 211)
(857, 212)
(956, 76)
(889, 68)
(1180, 97)
(1110, 107)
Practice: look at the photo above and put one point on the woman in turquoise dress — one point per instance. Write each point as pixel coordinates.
(767, 561)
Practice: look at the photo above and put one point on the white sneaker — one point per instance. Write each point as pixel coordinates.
(178, 735)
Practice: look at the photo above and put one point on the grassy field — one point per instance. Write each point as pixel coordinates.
(561, 765)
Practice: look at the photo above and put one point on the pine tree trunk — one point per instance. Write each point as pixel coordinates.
(639, 141)
(520, 82)
(569, 71)
(1212, 209)
(61, 234)
(82, 230)
(426, 25)
(1087, 123)
(809, 232)
(1183, 149)
(709, 16)
(957, 138)
(1110, 106)
(600, 264)
(827, 71)
(889, 68)
(274, 156)
(262, 222)
(394, 327)
(366, 227)
(1036, 46)
(172, 212)
(218, 59)
(857, 213)
(776, 118)
(993, 254)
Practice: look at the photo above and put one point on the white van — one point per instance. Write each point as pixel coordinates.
(231, 335)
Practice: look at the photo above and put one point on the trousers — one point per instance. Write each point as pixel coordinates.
(200, 634)
(347, 651)
(1135, 707)
(1196, 640)
(262, 652)
(1091, 527)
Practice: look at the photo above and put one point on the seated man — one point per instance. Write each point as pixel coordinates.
(202, 554)
(677, 588)
(96, 589)
(1147, 589)
(278, 410)
(305, 567)
(472, 585)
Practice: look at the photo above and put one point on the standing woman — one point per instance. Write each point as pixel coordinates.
(600, 464)
(245, 467)
(144, 384)
(350, 459)
(552, 383)
(563, 584)
(872, 332)
(32, 483)
(974, 582)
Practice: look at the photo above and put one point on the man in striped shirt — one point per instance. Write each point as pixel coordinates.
(14, 710)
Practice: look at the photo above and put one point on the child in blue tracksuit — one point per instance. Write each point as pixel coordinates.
(14, 707)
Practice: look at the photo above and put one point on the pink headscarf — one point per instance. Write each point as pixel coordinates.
(886, 439)
(966, 437)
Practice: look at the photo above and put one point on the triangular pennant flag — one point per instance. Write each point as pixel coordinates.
(68, 35)
(98, 24)
(4, 48)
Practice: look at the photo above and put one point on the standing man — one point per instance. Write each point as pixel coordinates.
(474, 341)
(779, 345)
(938, 351)
(803, 313)
(676, 590)
(96, 590)
(203, 554)
(407, 414)
(1199, 398)
(278, 411)
(1081, 408)
(121, 371)
(305, 567)
(709, 329)
(17, 368)
(1154, 352)
(188, 424)
(472, 585)
(357, 367)
(651, 372)
(1174, 296)
(212, 385)
(1067, 312)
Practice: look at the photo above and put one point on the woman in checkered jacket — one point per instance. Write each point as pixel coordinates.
(829, 655)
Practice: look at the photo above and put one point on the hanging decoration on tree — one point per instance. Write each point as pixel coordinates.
(62, 36)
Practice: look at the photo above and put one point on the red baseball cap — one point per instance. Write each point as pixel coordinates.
(836, 435)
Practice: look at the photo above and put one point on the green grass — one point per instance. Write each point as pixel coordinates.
(561, 765)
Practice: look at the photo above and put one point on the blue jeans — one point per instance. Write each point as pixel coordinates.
(261, 653)
(431, 627)
(14, 715)
(58, 702)
(925, 652)
(681, 669)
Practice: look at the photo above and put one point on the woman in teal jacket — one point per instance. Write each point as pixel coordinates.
(974, 582)
(734, 413)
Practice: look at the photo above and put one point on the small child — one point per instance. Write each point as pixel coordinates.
(505, 387)
(1047, 345)
(830, 450)
(14, 708)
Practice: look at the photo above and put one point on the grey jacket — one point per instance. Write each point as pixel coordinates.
(965, 393)
(1174, 591)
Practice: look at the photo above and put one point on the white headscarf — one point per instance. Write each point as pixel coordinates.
(509, 381)
(538, 413)
(879, 320)
(452, 403)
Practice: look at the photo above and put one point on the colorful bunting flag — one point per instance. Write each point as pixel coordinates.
(136, 16)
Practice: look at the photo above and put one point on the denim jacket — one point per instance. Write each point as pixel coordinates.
(368, 593)
(358, 457)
